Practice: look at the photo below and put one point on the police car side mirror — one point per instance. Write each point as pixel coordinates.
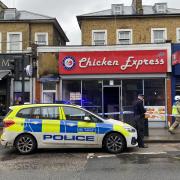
(86, 118)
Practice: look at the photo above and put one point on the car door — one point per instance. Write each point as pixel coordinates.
(52, 126)
(78, 130)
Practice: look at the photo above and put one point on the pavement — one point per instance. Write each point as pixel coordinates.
(161, 135)
(157, 135)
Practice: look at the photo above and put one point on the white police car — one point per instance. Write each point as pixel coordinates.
(32, 126)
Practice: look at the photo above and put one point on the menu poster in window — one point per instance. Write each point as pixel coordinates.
(75, 96)
(155, 113)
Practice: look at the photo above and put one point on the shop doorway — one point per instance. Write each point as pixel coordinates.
(111, 105)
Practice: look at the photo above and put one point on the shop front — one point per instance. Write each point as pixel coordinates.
(14, 88)
(175, 70)
(107, 79)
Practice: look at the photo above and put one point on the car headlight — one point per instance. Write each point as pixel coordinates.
(130, 129)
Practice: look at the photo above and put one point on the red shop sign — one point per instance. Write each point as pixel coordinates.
(113, 62)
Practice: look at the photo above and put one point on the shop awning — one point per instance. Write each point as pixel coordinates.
(3, 74)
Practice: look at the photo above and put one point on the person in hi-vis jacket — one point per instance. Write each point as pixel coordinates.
(176, 114)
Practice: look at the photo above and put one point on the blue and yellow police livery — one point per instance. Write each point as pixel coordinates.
(28, 127)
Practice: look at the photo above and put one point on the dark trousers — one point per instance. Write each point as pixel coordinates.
(139, 123)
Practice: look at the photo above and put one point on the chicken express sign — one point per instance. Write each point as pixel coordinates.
(113, 62)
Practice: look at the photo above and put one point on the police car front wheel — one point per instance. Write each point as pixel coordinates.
(114, 143)
(25, 144)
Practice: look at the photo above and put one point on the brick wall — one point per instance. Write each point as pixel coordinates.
(141, 28)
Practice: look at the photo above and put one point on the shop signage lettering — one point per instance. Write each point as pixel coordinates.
(5, 63)
(130, 62)
(115, 62)
(137, 63)
(86, 62)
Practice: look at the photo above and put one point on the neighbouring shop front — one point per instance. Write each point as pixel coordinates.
(175, 70)
(14, 87)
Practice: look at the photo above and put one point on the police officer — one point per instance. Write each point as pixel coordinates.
(139, 115)
(176, 113)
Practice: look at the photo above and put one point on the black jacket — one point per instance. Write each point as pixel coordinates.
(138, 108)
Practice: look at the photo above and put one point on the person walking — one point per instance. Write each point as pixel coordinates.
(139, 116)
(176, 114)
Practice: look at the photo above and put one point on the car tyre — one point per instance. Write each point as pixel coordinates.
(114, 143)
(25, 144)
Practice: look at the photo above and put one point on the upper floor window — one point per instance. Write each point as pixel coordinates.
(117, 9)
(99, 37)
(14, 42)
(158, 35)
(124, 36)
(160, 7)
(178, 35)
(41, 38)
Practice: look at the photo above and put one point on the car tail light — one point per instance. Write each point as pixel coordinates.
(8, 123)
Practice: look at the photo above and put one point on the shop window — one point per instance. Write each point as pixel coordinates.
(154, 91)
(49, 85)
(18, 95)
(71, 92)
(49, 92)
(130, 91)
(92, 95)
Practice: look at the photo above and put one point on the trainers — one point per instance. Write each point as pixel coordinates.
(171, 132)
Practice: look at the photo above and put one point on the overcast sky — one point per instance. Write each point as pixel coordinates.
(66, 11)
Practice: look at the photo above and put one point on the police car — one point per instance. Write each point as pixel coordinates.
(32, 126)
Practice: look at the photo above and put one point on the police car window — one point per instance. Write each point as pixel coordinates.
(36, 113)
(24, 113)
(74, 114)
(49, 112)
(78, 114)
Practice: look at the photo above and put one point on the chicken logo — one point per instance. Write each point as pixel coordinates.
(69, 62)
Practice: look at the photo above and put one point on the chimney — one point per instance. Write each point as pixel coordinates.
(137, 6)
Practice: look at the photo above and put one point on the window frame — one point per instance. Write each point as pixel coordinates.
(8, 42)
(31, 109)
(49, 91)
(158, 29)
(178, 34)
(161, 7)
(124, 30)
(99, 120)
(0, 42)
(99, 31)
(46, 37)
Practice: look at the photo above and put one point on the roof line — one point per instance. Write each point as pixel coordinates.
(36, 14)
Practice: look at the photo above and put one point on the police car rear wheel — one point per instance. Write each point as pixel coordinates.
(114, 143)
(25, 144)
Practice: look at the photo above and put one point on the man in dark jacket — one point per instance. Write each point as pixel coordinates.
(139, 115)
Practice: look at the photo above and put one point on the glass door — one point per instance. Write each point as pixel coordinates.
(112, 102)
